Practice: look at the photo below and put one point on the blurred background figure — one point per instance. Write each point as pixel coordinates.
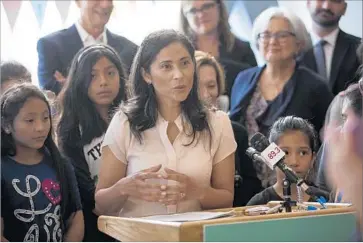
(205, 22)
(351, 116)
(211, 86)
(13, 72)
(346, 104)
(333, 56)
(344, 163)
(56, 50)
(212, 81)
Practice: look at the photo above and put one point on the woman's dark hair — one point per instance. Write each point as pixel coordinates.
(77, 109)
(224, 29)
(12, 101)
(14, 70)
(293, 123)
(353, 95)
(142, 107)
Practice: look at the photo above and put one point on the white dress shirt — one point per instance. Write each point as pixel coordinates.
(88, 39)
(328, 47)
(196, 160)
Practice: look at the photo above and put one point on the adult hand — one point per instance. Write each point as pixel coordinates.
(59, 77)
(136, 185)
(185, 188)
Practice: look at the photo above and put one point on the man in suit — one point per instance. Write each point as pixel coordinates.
(56, 51)
(334, 53)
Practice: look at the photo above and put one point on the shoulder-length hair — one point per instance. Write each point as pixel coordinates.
(202, 59)
(78, 112)
(297, 26)
(142, 107)
(224, 29)
(11, 102)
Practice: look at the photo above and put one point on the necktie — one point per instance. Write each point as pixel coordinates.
(320, 58)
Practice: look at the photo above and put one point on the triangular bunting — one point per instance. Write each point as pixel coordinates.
(39, 10)
(63, 8)
(12, 9)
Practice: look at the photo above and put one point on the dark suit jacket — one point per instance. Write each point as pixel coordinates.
(345, 62)
(56, 51)
(305, 97)
(241, 57)
(231, 70)
(241, 53)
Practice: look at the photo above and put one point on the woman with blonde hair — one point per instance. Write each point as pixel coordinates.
(211, 87)
(212, 81)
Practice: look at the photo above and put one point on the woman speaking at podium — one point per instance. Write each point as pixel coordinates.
(164, 152)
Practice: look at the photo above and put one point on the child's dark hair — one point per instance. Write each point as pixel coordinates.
(12, 101)
(14, 70)
(78, 111)
(293, 123)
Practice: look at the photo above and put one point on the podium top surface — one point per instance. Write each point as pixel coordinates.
(138, 229)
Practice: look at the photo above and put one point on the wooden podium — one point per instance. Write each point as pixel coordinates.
(337, 223)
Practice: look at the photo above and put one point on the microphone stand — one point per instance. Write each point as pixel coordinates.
(286, 191)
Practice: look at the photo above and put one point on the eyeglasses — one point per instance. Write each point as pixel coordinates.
(204, 9)
(281, 36)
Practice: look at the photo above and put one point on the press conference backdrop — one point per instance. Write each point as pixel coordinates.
(20, 32)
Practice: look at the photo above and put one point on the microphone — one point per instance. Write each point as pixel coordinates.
(273, 156)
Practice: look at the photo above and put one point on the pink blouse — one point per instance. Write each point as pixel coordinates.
(195, 160)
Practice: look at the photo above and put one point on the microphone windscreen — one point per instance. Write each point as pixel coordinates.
(259, 142)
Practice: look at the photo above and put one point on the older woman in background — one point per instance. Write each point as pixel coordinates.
(281, 87)
(211, 87)
(206, 23)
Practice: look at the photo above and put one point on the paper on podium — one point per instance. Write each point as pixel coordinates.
(188, 217)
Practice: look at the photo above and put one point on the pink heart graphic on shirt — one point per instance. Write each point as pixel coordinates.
(49, 187)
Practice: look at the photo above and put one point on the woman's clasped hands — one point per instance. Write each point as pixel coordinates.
(165, 186)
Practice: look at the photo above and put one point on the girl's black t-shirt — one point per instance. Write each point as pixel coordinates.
(31, 200)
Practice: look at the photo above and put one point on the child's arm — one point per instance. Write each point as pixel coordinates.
(75, 230)
(75, 223)
(3, 239)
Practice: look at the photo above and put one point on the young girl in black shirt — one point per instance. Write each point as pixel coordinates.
(94, 89)
(297, 138)
(39, 194)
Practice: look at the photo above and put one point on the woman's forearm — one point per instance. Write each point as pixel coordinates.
(109, 201)
(216, 198)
